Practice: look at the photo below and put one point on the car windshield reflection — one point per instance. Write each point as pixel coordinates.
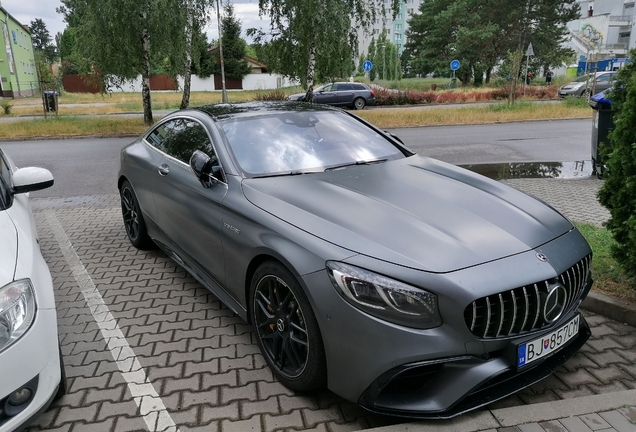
(291, 143)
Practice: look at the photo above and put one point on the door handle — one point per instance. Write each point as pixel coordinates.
(164, 170)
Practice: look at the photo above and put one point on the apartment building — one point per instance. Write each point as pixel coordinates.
(18, 74)
(603, 34)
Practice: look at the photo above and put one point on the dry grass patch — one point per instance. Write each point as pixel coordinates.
(72, 126)
(397, 117)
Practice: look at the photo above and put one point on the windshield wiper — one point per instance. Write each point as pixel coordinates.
(284, 174)
(356, 163)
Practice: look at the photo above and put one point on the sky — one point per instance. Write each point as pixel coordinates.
(26, 11)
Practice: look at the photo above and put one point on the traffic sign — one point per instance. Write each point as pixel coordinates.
(367, 66)
(530, 51)
(455, 65)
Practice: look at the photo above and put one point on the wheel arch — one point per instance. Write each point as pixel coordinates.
(121, 180)
(256, 261)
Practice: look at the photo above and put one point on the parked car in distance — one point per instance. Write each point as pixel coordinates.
(342, 94)
(31, 368)
(408, 285)
(588, 84)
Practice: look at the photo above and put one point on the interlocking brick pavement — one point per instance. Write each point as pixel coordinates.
(203, 360)
(576, 199)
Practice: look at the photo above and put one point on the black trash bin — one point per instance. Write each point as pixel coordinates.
(602, 125)
(50, 101)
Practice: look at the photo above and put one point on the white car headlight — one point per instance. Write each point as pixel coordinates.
(385, 298)
(17, 311)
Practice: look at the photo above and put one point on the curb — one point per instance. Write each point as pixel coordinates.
(620, 310)
(519, 415)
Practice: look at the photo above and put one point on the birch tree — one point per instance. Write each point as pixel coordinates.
(316, 38)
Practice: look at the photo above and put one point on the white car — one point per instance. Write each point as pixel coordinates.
(31, 368)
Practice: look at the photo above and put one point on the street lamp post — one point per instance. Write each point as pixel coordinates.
(383, 63)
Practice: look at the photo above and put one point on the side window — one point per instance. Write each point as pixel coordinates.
(342, 87)
(359, 87)
(162, 132)
(603, 78)
(185, 137)
(329, 87)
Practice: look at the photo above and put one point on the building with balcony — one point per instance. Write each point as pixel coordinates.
(603, 34)
(395, 28)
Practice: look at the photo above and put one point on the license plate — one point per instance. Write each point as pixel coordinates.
(548, 344)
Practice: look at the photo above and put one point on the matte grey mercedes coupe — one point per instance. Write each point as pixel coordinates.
(407, 285)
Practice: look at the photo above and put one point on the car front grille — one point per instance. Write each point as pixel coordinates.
(518, 311)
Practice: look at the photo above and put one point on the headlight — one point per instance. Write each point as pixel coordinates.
(385, 298)
(17, 311)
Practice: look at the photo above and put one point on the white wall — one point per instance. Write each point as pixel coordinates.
(262, 81)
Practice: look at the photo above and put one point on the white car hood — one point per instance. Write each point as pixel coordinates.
(8, 248)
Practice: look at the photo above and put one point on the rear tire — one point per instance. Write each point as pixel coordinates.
(61, 389)
(359, 103)
(133, 219)
(286, 328)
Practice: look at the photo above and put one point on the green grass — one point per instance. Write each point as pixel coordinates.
(609, 277)
(575, 102)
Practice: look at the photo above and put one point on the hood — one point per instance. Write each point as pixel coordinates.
(415, 212)
(8, 249)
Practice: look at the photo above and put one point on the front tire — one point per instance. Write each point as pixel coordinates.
(286, 328)
(133, 219)
(359, 103)
(62, 387)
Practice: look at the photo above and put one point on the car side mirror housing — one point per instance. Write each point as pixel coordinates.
(205, 168)
(31, 179)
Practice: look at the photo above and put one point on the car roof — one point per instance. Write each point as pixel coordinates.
(249, 109)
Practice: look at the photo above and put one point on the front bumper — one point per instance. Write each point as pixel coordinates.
(421, 390)
(571, 92)
(35, 357)
(367, 357)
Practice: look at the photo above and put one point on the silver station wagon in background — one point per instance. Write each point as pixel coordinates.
(342, 94)
(405, 284)
(588, 84)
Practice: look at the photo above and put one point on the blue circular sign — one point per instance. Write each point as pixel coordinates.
(455, 65)
(367, 66)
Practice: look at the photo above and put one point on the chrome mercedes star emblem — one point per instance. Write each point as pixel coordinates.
(280, 325)
(555, 303)
(542, 257)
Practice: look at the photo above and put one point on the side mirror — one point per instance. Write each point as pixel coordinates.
(31, 179)
(205, 168)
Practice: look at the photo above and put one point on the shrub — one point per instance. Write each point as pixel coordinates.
(6, 107)
(618, 193)
(276, 95)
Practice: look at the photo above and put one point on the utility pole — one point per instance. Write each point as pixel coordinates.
(529, 52)
(218, 21)
(383, 63)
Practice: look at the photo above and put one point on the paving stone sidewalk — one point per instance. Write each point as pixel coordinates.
(203, 360)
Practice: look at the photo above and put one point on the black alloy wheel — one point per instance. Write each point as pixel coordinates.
(359, 103)
(133, 219)
(286, 328)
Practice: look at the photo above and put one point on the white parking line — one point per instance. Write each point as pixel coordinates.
(150, 405)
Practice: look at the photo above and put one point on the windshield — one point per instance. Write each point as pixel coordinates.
(298, 142)
(582, 79)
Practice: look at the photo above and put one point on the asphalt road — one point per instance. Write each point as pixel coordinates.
(534, 141)
(89, 166)
(82, 166)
